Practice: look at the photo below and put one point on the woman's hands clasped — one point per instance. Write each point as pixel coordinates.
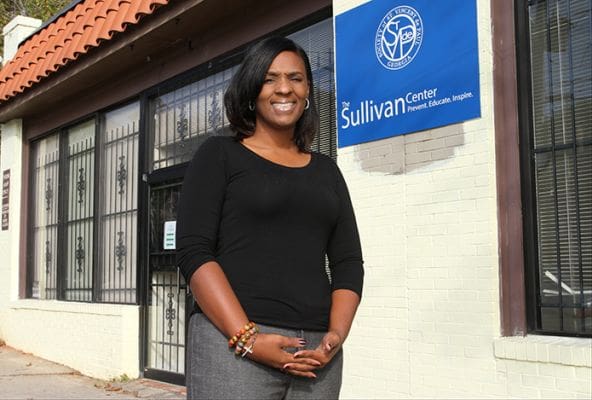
(304, 362)
(270, 350)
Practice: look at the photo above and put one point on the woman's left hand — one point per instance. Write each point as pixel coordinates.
(324, 352)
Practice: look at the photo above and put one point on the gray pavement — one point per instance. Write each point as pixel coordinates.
(24, 376)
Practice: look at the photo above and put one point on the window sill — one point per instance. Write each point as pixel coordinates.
(72, 307)
(570, 351)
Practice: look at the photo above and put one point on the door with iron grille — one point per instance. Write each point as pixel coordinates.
(166, 303)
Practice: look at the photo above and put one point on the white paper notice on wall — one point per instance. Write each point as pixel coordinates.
(170, 228)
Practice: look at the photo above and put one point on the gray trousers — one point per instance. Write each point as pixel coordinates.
(214, 372)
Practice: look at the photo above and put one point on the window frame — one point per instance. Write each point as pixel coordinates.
(528, 181)
(512, 295)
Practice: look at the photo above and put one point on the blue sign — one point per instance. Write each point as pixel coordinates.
(405, 66)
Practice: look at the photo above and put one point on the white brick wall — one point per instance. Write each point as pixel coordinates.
(100, 340)
(10, 159)
(426, 208)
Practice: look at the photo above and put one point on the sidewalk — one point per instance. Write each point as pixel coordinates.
(24, 376)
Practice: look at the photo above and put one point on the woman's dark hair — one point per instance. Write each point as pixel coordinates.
(246, 85)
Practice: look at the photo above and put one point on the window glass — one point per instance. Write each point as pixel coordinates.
(79, 222)
(561, 80)
(119, 205)
(45, 159)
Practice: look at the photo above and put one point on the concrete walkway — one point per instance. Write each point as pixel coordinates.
(24, 376)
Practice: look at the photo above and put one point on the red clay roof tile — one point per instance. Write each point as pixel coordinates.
(81, 28)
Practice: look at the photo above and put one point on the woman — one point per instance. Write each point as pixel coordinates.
(257, 216)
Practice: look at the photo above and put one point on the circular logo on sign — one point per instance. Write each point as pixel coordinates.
(398, 37)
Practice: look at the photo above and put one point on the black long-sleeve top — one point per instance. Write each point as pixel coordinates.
(269, 227)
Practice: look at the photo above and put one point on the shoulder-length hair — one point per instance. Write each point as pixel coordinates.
(246, 85)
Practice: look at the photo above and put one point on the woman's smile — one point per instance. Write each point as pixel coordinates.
(284, 106)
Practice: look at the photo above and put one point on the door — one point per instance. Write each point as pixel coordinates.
(167, 292)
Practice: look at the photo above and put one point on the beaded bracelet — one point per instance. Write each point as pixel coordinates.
(234, 339)
(243, 334)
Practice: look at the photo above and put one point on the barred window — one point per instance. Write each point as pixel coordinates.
(118, 228)
(42, 260)
(79, 211)
(560, 158)
(83, 211)
(185, 117)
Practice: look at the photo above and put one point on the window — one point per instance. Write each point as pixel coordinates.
(185, 117)
(79, 211)
(83, 222)
(45, 156)
(118, 229)
(559, 153)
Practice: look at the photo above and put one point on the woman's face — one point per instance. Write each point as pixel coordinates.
(282, 99)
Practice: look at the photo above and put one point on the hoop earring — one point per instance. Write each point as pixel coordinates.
(307, 104)
(251, 106)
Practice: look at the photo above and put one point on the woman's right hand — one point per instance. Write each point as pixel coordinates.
(269, 349)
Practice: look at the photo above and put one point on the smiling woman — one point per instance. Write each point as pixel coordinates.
(257, 217)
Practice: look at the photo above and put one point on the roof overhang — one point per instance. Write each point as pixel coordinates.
(133, 46)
